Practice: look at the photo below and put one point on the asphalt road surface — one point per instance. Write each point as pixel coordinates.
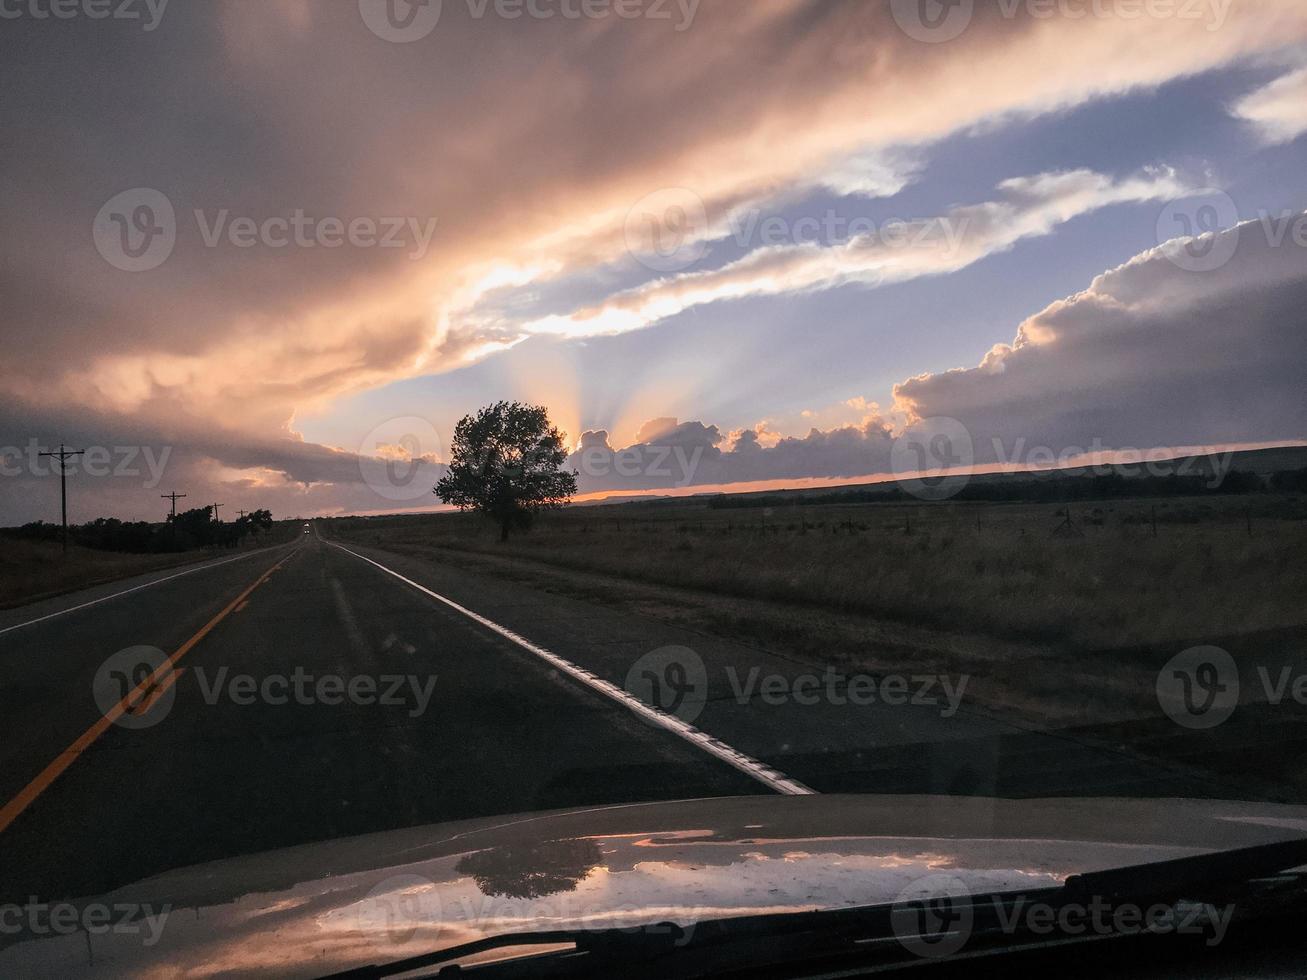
(314, 690)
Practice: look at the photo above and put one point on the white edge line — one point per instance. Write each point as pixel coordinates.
(746, 764)
(137, 588)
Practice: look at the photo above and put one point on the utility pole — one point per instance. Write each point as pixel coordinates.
(242, 513)
(63, 455)
(174, 497)
(215, 513)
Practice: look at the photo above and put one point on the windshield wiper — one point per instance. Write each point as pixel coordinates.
(1194, 878)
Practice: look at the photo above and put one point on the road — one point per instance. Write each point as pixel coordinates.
(317, 690)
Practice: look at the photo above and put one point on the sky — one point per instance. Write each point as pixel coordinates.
(268, 253)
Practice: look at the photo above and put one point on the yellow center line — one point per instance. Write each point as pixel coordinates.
(164, 675)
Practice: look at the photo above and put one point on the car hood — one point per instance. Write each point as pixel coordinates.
(319, 908)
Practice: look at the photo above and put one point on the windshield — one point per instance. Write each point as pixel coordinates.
(473, 467)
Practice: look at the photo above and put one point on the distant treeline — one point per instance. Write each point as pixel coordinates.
(190, 529)
(1053, 489)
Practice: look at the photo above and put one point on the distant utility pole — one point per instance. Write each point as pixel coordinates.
(63, 455)
(215, 513)
(174, 497)
(242, 513)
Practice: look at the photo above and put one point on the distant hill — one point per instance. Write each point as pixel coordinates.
(1252, 470)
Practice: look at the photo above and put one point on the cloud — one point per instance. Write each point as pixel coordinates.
(1149, 355)
(530, 143)
(870, 173)
(1026, 207)
(690, 454)
(1278, 110)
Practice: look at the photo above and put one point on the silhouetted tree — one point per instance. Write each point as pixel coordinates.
(194, 527)
(532, 870)
(254, 521)
(506, 462)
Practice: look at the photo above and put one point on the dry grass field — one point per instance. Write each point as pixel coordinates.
(30, 570)
(1208, 568)
(1056, 630)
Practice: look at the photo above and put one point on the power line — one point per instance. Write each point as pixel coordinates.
(63, 455)
(174, 497)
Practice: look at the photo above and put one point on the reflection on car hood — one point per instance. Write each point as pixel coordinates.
(318, 908)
